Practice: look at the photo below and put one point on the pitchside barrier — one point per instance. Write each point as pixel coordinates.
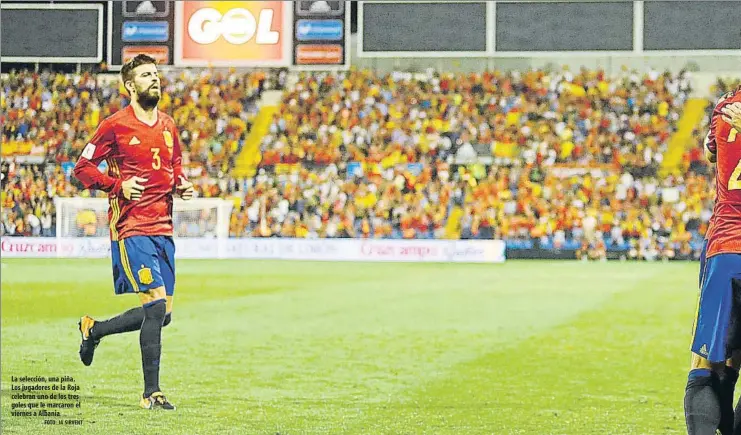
(424, 251)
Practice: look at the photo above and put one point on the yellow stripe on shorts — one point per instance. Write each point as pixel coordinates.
(114, 219)
(127, 266)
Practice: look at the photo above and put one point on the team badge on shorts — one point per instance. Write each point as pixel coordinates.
(145, 276)
(168, 139)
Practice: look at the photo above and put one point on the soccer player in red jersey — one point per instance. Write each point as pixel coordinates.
(141, 146)
(716, 337)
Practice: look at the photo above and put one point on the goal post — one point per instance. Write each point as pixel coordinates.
(198, 217)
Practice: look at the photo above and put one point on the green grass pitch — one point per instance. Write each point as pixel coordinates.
(261, 347)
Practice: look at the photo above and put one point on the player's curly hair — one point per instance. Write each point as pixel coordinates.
(127, 71)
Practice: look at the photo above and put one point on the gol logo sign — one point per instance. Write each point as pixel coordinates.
(232, 33)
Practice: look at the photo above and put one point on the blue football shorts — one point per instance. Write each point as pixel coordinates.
(142, 263)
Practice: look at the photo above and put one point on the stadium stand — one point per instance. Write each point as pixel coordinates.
(562, 117)
(51, 115)
(574, 156)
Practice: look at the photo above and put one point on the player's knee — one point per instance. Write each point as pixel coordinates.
(168, 319)
(155, 310)
(158, 293)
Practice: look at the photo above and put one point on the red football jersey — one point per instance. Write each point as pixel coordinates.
(133, 148)
(724, 234)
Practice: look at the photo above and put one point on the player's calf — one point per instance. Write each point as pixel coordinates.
(150, 337)
(702, 408)
(708, 400)
(727, 387)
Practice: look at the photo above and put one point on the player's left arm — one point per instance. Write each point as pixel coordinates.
(182, 186)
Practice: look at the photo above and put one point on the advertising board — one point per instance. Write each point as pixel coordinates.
(233, 33)
(416, 251)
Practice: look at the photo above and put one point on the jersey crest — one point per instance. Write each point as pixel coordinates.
(145, 276)
(168, 139)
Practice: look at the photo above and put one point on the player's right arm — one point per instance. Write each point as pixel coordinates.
(98, 149)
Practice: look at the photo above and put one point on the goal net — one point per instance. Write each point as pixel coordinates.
(199, 217)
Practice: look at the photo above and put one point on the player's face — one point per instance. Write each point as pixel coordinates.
(147, 85)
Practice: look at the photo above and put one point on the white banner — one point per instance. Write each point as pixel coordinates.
(435, 251)
(47, 247)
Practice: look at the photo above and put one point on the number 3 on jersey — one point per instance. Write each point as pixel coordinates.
(734, 183)
(157, 161)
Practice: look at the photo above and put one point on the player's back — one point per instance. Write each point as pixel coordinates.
(725, 234)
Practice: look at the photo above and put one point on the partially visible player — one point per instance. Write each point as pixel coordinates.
(716, 337)
(731, 113)
(142, 149)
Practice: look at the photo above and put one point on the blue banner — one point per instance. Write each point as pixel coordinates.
(319, 30)
(145, 31)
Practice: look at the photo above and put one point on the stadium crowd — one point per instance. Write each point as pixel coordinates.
(574, 156)
(541, 130)
(52, 115)
(582, 117)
